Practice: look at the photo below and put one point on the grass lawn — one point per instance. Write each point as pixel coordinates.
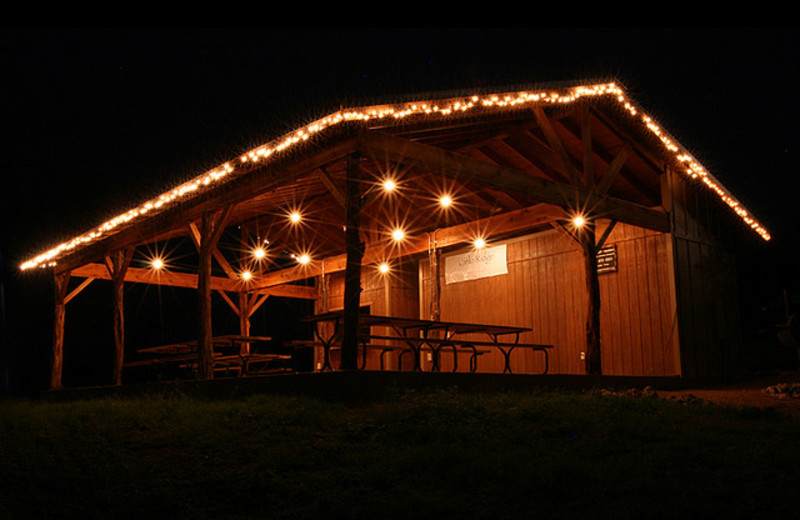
(425, 454)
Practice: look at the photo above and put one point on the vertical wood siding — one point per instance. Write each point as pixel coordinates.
(545, 290)
(705, 284)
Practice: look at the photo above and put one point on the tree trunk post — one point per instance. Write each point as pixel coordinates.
(245, 304)
(57, 357)
(205, 350)
(118, 265)
(355, 253)
(593, 350)
(434, 256)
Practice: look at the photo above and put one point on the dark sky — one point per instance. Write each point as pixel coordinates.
(97, 120)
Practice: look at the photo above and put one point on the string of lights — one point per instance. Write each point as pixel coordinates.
(445, 108)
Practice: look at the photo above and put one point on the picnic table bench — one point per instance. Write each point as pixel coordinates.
(412, 335)
(230, 353)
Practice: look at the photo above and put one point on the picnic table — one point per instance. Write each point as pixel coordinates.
(230, 352)
(416, 335)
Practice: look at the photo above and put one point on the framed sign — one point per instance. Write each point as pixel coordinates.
(607, 260)
(481, 263)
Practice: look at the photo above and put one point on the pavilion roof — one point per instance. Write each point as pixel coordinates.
(455, 123)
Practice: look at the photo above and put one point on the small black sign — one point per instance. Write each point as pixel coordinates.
(607, 260)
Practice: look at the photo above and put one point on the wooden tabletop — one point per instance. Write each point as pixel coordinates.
(191, 346)
(417, 324)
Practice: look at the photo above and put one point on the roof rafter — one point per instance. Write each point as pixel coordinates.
(570, 197)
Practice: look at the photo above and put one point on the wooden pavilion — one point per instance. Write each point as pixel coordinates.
(598, 233)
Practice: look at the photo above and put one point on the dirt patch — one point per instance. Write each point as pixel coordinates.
(780, 392)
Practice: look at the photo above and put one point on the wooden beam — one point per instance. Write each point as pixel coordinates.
(497, 225)
(261, 299)
(562, 228)
(230, 272)
(77, 290)
(443, 162)
(337, 193)
(588, 146)
(556, 144)
(605, 235)
(236, 308)
(613, 170)
(189, 281)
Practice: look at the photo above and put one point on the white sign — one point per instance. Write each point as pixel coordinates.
(481, 263)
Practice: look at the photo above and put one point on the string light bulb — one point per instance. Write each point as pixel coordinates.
(157, 264)
(445, 201)
(578, 221)
(389, 185)
(479, 243)
(398, 235)
(383, 268)
(247, 275)
(259, 253)
(295, 216)
(303, 259)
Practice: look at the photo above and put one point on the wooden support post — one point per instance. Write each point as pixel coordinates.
(57, 358)
(323, 289)
(205, 353)
(355, 252)
(433, 258)
(117, 267)
(245, 302)
(211, 227)
(593, 352)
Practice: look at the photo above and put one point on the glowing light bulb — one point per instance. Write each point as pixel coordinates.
(247, 275)
(157, 263)
(304, 259)
(479, 243)
(445, 201)
(384, 267)
(259, 253)
(579, 221)
(295, 216)
(398, 234)
(389, 185)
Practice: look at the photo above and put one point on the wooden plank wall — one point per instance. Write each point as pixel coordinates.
(545, 290)
(705, 282)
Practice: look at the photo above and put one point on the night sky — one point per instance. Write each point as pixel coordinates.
(98, 120)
